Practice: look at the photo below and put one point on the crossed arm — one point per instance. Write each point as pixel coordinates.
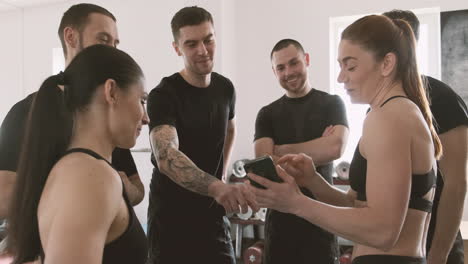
(336, 136)
(322, 150)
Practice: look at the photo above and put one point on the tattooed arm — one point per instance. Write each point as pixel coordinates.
(177, 166)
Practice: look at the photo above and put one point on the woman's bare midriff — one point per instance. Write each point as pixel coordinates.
(411, 241)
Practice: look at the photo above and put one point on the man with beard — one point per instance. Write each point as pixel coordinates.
(82, 25)
(304, 120)
(192, 131)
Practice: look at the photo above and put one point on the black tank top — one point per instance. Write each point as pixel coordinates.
(420, 183)
(132, 246)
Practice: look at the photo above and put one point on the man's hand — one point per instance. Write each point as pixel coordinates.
(235, 198)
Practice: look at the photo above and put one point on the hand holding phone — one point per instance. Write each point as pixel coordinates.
(262, 166)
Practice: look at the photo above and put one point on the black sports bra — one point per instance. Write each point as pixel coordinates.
(420, 185)
(132, 245)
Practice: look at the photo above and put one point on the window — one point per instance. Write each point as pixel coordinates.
(428, 56)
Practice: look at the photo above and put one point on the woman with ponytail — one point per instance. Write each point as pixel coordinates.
(387, 210)
(69, 204)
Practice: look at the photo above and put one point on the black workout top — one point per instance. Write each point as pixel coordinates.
(420, 183)
(131, 246)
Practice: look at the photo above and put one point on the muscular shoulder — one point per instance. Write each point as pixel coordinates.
(276, 103)
(271, 108)
(81, 173)
(82, 196)
(166, 83)
(397, 116)
(223, 83)
(221, 79)
(448, 108)
(325, 97)
(164, 89)
(442, 97)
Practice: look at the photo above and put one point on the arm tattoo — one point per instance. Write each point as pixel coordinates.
(163, 137)
(175, 164)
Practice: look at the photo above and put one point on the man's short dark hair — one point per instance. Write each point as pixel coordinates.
(189, 16)
(76, 17)
(284, 43)
(407, 16)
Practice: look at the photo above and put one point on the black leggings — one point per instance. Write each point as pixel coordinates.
(388, 259)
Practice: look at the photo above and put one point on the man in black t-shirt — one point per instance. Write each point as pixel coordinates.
(192, 131)
(81, 26)
(451, 116)
(444, 242)
(304, 120)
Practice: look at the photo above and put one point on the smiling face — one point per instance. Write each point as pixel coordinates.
(196, 44)
(360, 73)
(130, 114)
(290, 68)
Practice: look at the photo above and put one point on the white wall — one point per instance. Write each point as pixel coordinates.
(145, 33)
(260, 24)
(11, 66)
(246, 31)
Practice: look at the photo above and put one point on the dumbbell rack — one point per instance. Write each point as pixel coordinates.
(240, 224)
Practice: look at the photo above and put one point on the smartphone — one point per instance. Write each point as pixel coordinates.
(264, 167)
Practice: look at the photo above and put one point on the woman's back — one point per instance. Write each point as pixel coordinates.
(398, 147)
(83, 205)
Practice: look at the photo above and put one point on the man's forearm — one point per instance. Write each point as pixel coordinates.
(322, 150)
(227, 150)
(449, 215)
(453, 166)
(265, 146)
(177, 166)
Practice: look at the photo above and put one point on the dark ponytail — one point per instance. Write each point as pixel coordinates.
(47, 135)
(411, 79)
(380, 35)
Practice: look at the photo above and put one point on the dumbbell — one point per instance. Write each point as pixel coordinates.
(254, 253)
(346, 257)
